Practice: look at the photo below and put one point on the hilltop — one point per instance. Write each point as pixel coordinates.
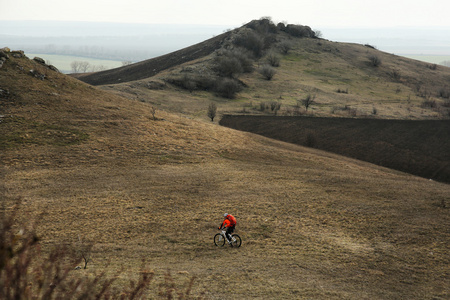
(140, 183)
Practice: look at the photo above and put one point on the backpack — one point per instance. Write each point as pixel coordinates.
(232, 220)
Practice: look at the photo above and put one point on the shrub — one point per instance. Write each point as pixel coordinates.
(446, 103)
(276, 108)
(251, 41)
(285, 46)
(192, 82)
(244, 57)
(428, 103)
(263, 25)
(350, 111)
(342, 91)
(299, 30)
(231, 63)
(374, 60)
(263, 106)
(273, 59)
(374, 110)
(395, 75)
(25, 274)
(444, 93)
(227, 88)
(317, 34)
(228, 66)
(267, 71)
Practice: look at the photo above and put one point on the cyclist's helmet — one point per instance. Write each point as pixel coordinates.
(225, 215)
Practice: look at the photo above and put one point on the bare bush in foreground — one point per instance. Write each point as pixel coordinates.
(26, 273)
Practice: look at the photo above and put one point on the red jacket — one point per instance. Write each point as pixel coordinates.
(229, 221)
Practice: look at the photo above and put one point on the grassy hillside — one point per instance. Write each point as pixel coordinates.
(93, 165)
(344, 80)
(347, 80)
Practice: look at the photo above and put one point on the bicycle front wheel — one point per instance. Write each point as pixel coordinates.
(219, 241)
(236, 240)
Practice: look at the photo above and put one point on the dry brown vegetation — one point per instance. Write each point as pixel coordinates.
(91, 164)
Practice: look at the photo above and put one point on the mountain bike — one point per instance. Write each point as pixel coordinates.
(220, 239)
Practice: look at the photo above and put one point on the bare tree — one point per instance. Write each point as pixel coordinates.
(212, 111)
(84, 250)
(98, 68)
(84, 66)
(309, 99)
(75, 65)
(317, 34)
(79, 66)
(153, 112)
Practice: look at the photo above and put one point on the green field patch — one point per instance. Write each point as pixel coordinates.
(434, 59)
(63, 62)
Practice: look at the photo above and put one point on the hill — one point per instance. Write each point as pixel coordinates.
(341, 80)
(346, 79)
(151, 67)
(102, 168)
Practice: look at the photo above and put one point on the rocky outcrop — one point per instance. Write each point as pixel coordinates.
(18, 54)
(39, 60)
(4, 55)
(42, 62)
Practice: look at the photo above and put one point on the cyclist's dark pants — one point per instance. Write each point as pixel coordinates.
(230, 230)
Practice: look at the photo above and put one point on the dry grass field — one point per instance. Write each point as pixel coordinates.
(92, 165)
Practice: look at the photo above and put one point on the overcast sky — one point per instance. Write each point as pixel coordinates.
(315, 13)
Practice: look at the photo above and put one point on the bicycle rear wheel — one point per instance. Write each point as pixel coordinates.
(219, 241)
(236, 242)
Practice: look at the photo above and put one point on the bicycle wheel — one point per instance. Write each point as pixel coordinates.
(219, 241)
(236, 241)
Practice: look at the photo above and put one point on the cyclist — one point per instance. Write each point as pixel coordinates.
(230, 223)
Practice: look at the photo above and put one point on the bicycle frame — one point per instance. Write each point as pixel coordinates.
(223, 234)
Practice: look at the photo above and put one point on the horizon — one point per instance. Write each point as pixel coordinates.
(420, 28)
(345, 13)
(156, 39)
